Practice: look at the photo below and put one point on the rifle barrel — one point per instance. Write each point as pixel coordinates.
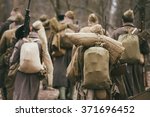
(29, 4)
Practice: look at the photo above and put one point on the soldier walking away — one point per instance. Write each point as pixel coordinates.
(130, 81)
(61, 61)
(92, 93)
(5, 26)
(7, 44)
(27, 83)
(46, 24)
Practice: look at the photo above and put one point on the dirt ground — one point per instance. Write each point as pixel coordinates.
(49, 94)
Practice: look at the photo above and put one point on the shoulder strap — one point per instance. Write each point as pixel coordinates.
(30, 40)
(130, 30)
(135, 29)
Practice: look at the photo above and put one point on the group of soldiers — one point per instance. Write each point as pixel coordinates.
(125, 84)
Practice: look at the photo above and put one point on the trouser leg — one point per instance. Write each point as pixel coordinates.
(4, 93)
(62, 91)
(9, 83)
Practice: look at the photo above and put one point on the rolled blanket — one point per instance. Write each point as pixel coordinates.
(85, 39)
(114, 47)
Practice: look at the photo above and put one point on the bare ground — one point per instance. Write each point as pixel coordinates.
(49, 94)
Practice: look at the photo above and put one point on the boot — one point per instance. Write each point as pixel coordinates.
(62, 93)
(4, 93)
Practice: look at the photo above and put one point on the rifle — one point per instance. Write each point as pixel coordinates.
(23, 31)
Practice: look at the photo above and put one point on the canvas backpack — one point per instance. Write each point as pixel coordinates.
(30, 61)
(96, 68)
(132, 49)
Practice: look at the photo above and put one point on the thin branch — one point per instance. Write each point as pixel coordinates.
(68, 5)
(54, 7)
(85, 8)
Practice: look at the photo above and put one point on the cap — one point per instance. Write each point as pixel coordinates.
(70, 14)
(92, 18)
(43, 18)
(17, 18)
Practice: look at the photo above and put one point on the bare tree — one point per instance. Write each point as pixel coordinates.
(82, 8)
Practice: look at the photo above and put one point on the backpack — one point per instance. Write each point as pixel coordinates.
(96, 68)
(130, 42)
(30, 61)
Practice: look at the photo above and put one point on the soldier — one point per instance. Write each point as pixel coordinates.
(26, 86)
(61, 62)
(50, 32)
(46, 24)
(131, 81)
(7, 43)
(83, 93)
(5, 25)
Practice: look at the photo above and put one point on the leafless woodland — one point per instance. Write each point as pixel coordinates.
(109, 12)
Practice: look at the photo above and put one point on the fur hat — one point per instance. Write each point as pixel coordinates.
(17, 18)
(43, 18)
(128, 16)
(70, 14)
(37, 25)
(45, 21)
(92, 18)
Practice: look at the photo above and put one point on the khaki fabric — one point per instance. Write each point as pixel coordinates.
(56, 45)
(101, 94)
(46, 56)
(57, 26)
(96, 68)
(30, 61)
(73, 68)
(132, 49)
(114, 47)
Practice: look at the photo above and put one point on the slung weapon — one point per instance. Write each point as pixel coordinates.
(23, 31)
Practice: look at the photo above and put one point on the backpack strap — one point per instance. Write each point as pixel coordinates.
(30, 40)
(25, 40)
(135, 29)
(131, 31)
